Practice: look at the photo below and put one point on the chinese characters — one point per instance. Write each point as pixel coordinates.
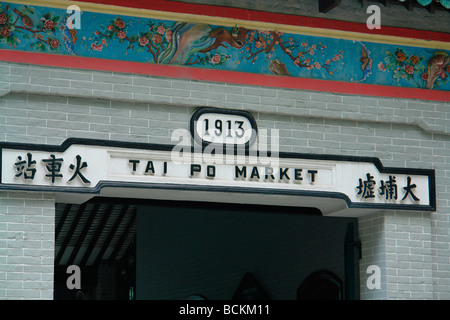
(26, 168)
(388, 189)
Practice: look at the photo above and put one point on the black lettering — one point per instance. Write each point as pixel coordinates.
(134, 162)
(165, 168)
(298, 174)
(210, 171)
(283, 174)
(149, 167)
(312, 173)
(195, 168)
(255, 173)
(269, 173)
(240, 173)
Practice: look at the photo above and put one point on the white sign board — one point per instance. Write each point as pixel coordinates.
(361, 182)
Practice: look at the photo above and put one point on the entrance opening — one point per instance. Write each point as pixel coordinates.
(100, 239)
(173, 250)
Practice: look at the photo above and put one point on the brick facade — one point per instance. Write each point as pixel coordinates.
(47, 105)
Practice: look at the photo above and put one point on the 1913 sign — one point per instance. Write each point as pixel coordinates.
(223, 127)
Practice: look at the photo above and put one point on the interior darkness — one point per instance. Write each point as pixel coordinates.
(123, 245)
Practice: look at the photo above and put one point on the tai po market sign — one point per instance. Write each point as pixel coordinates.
(87, 166)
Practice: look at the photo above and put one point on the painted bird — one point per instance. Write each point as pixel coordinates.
(278, 68)
(436, 66)
(191, 38)
(69, 35)
(26, 20)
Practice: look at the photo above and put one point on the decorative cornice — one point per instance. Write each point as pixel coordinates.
(402, 39)
(213, 48)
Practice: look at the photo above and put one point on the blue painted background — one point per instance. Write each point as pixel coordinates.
(41, 29)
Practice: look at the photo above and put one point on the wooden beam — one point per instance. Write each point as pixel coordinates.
(62, 219)
(431, 7)
(409, 4)
(122, 238)
(111, 234)
(327, 5)
(96, 235)
(70, 233)
(83, 234)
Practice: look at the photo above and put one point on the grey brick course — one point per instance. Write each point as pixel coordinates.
(49, 104)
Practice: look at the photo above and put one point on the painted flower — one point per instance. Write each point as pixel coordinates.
(5, 32)
(110, 27)
(442, 74)
(54, 43)
(414, 59)
(96, 33)
(160, 30)
(399, 56)
(49, 25)
(97, 47)
(120, 24)
(156, 38)
(425, 76)
(143, 40)
(381, 66)
(3, 18)
(409, 69)
(448, 68)
(317, 65)
(215, 59)
(121, 34)
(169, 35)
(304, 44)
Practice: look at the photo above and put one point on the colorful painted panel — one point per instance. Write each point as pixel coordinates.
(155, 41)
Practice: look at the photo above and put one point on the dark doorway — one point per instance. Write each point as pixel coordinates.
(206, 249)
(321, 285)
(99, 237)
(169, 250)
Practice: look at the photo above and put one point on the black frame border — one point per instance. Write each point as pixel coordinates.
(198, 112)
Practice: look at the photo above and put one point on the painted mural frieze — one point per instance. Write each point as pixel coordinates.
(201, 45)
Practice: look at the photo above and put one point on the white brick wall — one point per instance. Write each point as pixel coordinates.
(27, 227)
(400, 244)
(48, 105)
